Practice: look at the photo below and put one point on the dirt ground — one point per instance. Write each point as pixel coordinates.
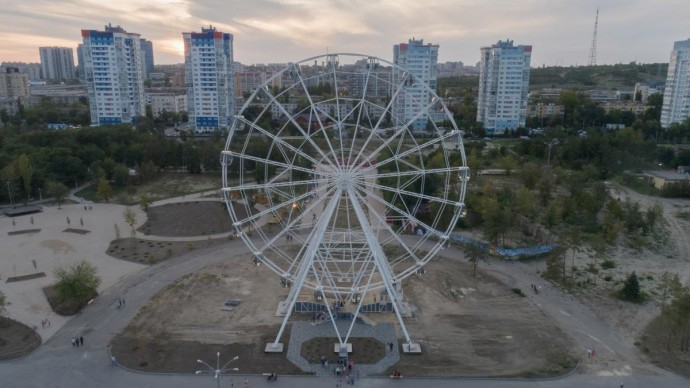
(177, 219)
(467, 326)
(654, 343)
(479, 327)
(16, 339)
(162, 339)
(151, 251)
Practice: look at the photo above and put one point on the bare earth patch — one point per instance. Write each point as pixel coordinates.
(466, 326)
(184, 219)
(479, 327)
(16, 339)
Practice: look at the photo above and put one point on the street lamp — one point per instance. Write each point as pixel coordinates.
(218, 370)
(550, 144)
(9, 192)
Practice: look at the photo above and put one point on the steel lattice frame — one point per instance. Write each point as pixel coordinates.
(326, 189)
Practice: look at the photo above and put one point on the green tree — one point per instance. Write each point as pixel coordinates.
(25, 172)
(145, 202)
(131, 220)
(120, 176)
(667, 289)
(78, 282)
(631, 289)
(58, 191)
(3, 303)
(474, 255)
(104, 189)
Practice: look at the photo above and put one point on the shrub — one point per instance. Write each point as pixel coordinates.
(608, 264)
(631, 289)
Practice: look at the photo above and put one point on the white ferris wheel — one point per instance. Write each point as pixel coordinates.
(344, 175)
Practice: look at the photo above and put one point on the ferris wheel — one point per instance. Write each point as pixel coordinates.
(344, 175)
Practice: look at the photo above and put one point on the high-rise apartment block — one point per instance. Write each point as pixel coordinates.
(416, 63)
(57, 63)
(210, 79)
(33, 70)
(13, 83)
(114, 74)
(503, 86)
(147, 53)
(80, 63)
(676, 106)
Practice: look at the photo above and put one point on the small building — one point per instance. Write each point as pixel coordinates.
(660, 179)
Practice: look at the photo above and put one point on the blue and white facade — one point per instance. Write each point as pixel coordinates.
(676, 107)
(419, 64)
(503, 85)
(114, 74)
(210, 79)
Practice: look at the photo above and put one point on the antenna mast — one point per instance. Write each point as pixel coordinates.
(593, 49)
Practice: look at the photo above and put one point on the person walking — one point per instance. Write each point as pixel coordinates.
(74, 342)
(81, 340)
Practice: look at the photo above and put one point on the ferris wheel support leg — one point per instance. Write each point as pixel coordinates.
(384, 270)
(307, 263)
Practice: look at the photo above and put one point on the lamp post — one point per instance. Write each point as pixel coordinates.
(9, 192)
(550, 144)
(218, 370)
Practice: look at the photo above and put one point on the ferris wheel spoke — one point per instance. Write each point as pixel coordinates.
(340, 120)
(444, 170)
(399, 191)
(279, 140)
(296, 124)
(273, 209)
(404, 213)
(361, 106)
(375, 128)
(418, 148)
(270, 162)
(318, 119)
(272, 185)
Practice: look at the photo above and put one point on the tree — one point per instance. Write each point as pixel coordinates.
(145, 202)
(25, 172)
(104, 189)
(58, 191)
(131, 219)
(667, 288)
(3, 303)
(631, 289)
(79, 282)
(475, 254)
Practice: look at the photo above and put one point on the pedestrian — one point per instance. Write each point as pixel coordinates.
(81, 340)
(232, 383)
(43, 324)
(589, 353)
(123, 301)
(74, 343)
(48, 322)
(81, 221)
(112, 360)
(246, 382)
(84, 207)
(67, 220)
(119, 302)
(594, 354)
(390, 346)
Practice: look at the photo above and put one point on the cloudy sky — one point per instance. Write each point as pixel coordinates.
(291, 30)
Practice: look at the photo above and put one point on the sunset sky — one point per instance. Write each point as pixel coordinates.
(289, 30)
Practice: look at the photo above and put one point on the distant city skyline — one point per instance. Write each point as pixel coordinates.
(269, 31)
